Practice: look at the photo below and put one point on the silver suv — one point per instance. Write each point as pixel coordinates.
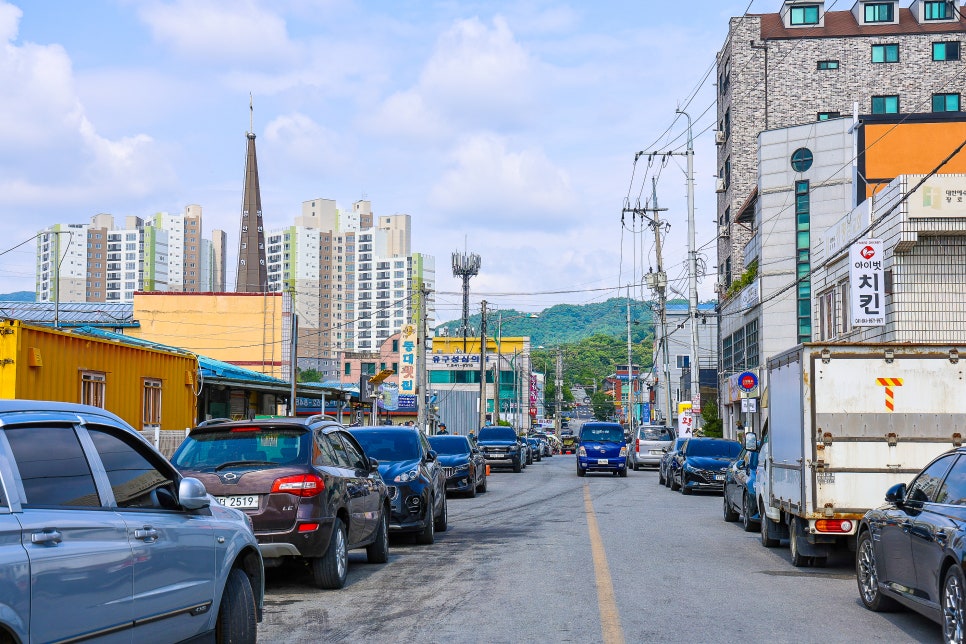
(100, 535)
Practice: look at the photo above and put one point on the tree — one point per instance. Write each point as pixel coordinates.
(603, 405)
(712, 422)
(309, 375)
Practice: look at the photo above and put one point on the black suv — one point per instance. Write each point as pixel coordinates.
(500, 446)
(306, 483)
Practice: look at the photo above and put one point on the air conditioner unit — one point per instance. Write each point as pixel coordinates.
(719, 185)
(720, 137)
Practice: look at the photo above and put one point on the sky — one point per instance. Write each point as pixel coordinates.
(507, 129)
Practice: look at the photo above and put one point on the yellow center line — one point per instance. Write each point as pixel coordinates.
(610, 621)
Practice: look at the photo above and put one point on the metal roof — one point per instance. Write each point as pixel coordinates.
(71, 314)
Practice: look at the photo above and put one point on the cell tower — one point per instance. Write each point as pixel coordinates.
(465, 266)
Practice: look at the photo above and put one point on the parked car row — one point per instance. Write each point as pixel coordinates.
(697, 463)
(502, 447)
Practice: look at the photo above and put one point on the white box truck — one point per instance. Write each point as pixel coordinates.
(844, 423)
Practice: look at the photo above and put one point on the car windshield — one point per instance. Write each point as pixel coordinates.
(679, 442)
(720, 448)
(240, 445)
(450, 445)
(388, 444)
(497, 434)
(654, 434)
(612, 433)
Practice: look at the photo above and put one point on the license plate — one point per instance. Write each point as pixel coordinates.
(719, 477)
(656, 452)
(602, 461)
(241, 502)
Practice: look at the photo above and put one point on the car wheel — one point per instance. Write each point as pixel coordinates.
(660, 476)
(442, 521)
(517, 466)
(482, 486)
(472, 491)
(794, 544)
(729, 513)
(867, 576)
(236, 615)
(378, 550)
(673, 482)
(622, 472)
(746, 511)
(684, 484)
(331, 569)
(766, 539)
(954, 610)
(428, 533)
(581, 471)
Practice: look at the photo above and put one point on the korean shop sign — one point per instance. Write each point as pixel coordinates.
(407, 360)
(867, 283)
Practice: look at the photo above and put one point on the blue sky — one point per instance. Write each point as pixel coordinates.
(508, 127)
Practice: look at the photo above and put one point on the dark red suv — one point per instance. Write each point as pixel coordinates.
(306, 483)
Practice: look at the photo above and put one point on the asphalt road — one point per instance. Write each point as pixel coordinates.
(518, 565)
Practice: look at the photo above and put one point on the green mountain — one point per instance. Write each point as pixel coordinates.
(18, 296)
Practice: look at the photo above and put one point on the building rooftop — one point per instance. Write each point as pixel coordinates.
(842, 24)
(71, 314)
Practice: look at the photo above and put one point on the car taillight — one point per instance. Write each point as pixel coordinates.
(637, 445)
(235, 430)
(303, 485)
(834, 525)
(308, 527)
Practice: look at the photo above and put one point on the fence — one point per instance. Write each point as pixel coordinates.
(166, 440)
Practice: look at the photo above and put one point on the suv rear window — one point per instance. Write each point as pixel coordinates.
(495, 433)
(265, 445)
(654, 434)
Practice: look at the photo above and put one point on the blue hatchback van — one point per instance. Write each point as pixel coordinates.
(602, 447)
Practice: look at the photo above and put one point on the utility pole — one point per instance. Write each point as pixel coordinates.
(294, 366)
(630, 370)
(422, 386)
(483, 364)
(693, 286)
(660, 284)
(558, 393)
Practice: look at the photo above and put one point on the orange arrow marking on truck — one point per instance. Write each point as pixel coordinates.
(889, 383)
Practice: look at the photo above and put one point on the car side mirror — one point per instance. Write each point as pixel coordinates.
(896, 494)
(751, 441)
(373, 465)
(192, 494)
(741, 465)
(430, 456)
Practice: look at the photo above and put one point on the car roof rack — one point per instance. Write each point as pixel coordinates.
(318, 417)
(214, 421)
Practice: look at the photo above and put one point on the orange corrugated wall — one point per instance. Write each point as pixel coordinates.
(912, 148)
(65, 356)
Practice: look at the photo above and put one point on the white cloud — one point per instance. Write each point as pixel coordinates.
(306, 146)
(220, 30)
(497, 186)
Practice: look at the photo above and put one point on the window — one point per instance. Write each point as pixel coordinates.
(369, 368)
(804, 15)
(341, 457)
(926, 486)
(824, 116)
(828, 64)
(879, 12)
(843, 289)
(945, 51)
(885, 53)
(885, 104)
(936, 10)
(151, 405)
(53, 467)
(803, 267)
(953, 491)
(826, 315)
(135, 481)
(945, 102)
(802, 159)
(93, 384)
(684, 362)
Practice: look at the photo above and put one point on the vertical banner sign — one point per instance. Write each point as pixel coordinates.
(407, 360)
(685, 420)
(867, 283)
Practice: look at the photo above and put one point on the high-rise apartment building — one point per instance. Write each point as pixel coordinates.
(352, 274)
(807, 64)
(107, 261)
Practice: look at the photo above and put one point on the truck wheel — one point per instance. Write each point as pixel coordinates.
(794, 544)
(729, 514)
(766, 539)
(867, 576)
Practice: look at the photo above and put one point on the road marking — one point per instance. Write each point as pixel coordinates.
(610, 621)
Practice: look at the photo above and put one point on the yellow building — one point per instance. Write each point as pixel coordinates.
(249, 330)
(150, 388)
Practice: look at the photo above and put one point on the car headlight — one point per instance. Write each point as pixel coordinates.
(690, 468)
(512, 449)
(463, 468)
(624, 451)
(406, 477)
(581, 451)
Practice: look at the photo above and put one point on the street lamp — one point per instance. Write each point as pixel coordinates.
(498, 381)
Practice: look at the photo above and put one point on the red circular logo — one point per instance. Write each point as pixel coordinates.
(868, 252)
(748, 382)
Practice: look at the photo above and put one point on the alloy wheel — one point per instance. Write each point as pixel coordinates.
(953, 609)
(867, 574)
(341, 553)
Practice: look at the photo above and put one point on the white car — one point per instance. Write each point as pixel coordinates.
(648, 448)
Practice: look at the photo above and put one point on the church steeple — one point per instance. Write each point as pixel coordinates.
(252, 269)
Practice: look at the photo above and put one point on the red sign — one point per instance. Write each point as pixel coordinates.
(748, 382)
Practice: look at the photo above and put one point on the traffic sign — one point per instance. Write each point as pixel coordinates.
(748, 381)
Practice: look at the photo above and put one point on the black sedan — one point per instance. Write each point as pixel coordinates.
(463, 464)
(417, 485)
(665, 470)
(910, 551)
(701, 464)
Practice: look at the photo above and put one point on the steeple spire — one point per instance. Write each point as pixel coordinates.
(252, 269)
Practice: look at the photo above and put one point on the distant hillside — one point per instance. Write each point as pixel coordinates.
(568, 323)
(18, 296)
